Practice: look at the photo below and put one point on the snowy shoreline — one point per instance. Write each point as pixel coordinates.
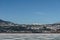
(29, 33)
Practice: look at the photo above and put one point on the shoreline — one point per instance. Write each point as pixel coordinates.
(18, 34)
(29, 33)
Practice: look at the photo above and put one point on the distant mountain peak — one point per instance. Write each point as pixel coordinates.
(1, 20)
(6, 23)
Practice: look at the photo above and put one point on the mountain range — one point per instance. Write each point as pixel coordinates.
(10, 27)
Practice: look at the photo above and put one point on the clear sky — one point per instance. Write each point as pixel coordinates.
(30, 11)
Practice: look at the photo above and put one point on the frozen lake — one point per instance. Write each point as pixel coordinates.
(29, 36)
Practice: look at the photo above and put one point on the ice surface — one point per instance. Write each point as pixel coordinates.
(29, 36)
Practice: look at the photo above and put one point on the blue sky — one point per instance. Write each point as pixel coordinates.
(30, 11)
